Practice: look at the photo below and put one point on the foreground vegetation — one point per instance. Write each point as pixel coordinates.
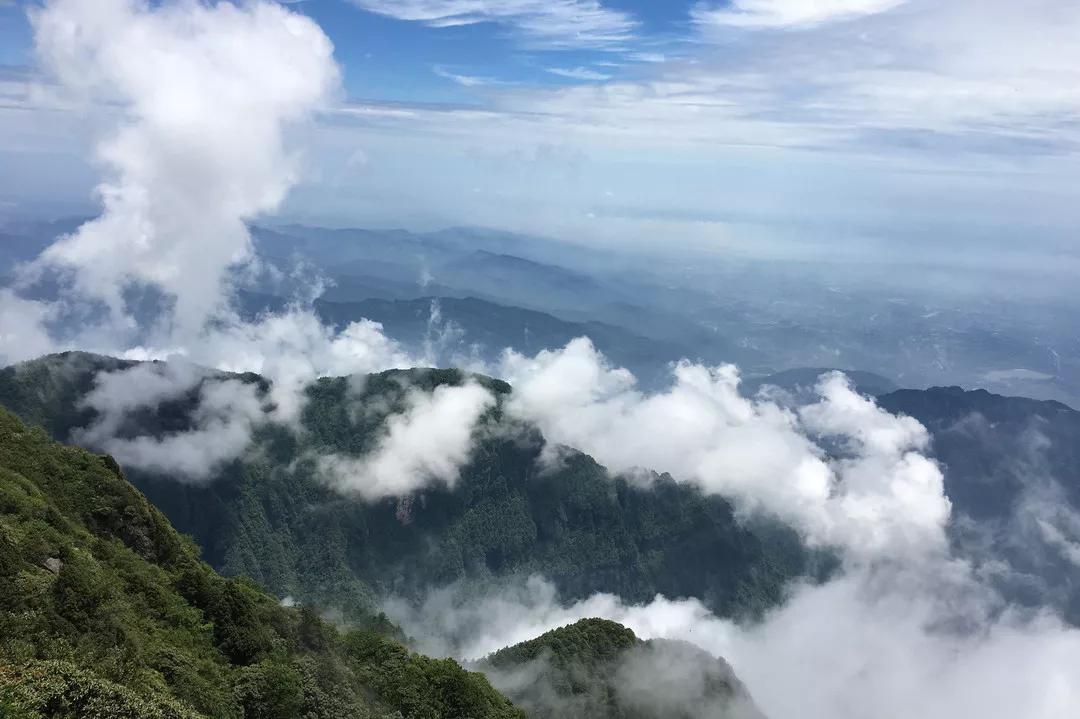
(107, 612)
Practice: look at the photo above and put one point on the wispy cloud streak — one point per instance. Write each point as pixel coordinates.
(548, 24)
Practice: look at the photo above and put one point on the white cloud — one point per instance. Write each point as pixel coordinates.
(982, 77)
(291, 350)
(876, 124)
(904, 629)
(198, 99)
(294, 348)
(785, 13)
(22, 328)
(882, 498)
(653, 57)
(1044, 515)
(224, 416)
(991, 69)
(426, 444)
(550, 24)
(115, 394)
(863, 645)
(464, 80)
(1059, 538)
(222, 431)
(870, 127)
(206, 92)
(579, 73)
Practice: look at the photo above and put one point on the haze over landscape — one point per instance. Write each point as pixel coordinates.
(504, 358)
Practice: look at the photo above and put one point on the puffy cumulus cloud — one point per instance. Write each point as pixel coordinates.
(204, 92)
(224, 413)
(905, 628)
(549, 24)
(785, 13)
(199, 97)
(875, 494)
(848, 649)
(425, 444)
(842, 650)
(293, 348)
(891, 495)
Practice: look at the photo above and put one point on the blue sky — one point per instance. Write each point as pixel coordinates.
(771, 126)
(387, 58)
(391, 59)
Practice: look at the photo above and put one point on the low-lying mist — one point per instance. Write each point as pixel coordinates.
(874, 642)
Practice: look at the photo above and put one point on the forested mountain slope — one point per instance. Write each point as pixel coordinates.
(107, 612)
(597, 669)
(269, 517)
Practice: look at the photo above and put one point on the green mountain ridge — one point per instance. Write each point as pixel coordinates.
(597, 669)
(268, 516)
(107, 612)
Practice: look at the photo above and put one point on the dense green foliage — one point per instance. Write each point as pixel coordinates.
(106, 612)
(589, 641)
(53, 688)
(47, 393)
(597, 669)
(270, 517)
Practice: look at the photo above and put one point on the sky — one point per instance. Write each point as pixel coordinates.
(818, 127)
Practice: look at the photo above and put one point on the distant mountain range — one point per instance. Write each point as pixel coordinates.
(567, 281)
(764, 316)
(804, 379)
(469, 326)
(455, 329)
